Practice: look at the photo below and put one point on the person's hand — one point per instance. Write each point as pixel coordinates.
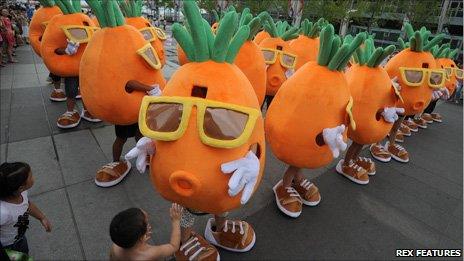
(175, 212)
(390, 114)
(143, 148)
(156, 91)
(71, 48)
(245, 175)
(395, 83)
(333, 137)
(46, 224)
(445, 94)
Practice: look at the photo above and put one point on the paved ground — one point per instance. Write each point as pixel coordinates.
(414, 205)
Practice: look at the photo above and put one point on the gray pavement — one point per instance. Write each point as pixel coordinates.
(414, 205)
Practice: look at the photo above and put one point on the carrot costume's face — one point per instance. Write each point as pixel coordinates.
(453, 72)
(208, 115)
(418, 76)
(261, 36)
(280, 59)
(38, 24)
(152, 34)
(75, 27)
(305, 49)
(107, 66)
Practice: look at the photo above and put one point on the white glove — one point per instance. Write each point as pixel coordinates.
(333, 137)
(71, 48)
(142, 149)
(445, 94)
(436, 94)
(245, 175)
(289, 73)
(390, 114)
(395, 83)
(156, 91)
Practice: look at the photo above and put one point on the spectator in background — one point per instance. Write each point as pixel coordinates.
(7, 35)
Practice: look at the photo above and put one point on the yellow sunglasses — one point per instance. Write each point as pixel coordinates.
(450, 70)
(152, 33)
(220, 125)
(416, 76)
(287, 60)
(349, 111)
(79, 34)
(148, 53)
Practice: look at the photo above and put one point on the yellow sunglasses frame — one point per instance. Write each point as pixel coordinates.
(141, 52)
(201, 104)
(160, 34)
(277, 52)
(426, 74)
(453, 70)
(88, 29)
(349, 111)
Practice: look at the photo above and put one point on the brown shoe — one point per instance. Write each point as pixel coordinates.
(288, 200)
(308, 192)
(411, 125)
(398, 137)
(69, 119)
(197, 248)
(404, 129)
(112, 173)
(85, 114)
(237, 235)
(79, 96)
(57, 95)
(353, 172)
(366, 164)
(427, 118)
(436, 117)
(397, 152)
(420, 123)
(379, 153)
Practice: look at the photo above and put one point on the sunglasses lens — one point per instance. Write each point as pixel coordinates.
(413, 76)
(150, 54)
(79, 34)
(164, 117)
(269, 56)
(147, 34)
(459, 73)
(288, 60)
(436, 78)
(224, 124)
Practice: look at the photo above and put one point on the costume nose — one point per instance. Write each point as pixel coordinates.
(418, 105)
(276, 80)
(184, 183)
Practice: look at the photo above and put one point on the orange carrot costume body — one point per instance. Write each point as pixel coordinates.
(39, 22)
(278, 54)
(192, 177)
(306, 46)
(132, 11)
(116, 54)
(75, 23)
(260, 36)
(418, 55)
(444, 58)
(315, 98)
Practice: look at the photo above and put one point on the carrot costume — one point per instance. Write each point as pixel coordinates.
(445, 57)
(306, 46)
(117, 54)
(305, 124)
(39, 22)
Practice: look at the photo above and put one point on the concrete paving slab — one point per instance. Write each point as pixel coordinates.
(94, 208)
(27, 70)
(40, 155)
(3, 152)
(28, 122)
(105, 136)
(79, 155)
(26, 97)
(62, 243)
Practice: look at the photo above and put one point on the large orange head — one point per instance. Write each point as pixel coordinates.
(250, 59)
(306, 46)
(107, 66)
(39, 21)
(372, 91)
(73, 26)
(444, 58)
(278, 55)
(208, 115)
(416, 70)
(260, 36)
(315, 98)
(133, 16)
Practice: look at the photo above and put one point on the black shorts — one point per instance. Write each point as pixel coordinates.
(126, 131)
(55, 78)
(71, 86)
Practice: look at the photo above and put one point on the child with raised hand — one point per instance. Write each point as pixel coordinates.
(130, 232)
(15, 179)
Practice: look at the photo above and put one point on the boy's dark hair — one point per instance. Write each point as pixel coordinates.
(127, 227)
(12, 176)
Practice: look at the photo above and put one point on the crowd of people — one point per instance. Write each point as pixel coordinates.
(229, 103)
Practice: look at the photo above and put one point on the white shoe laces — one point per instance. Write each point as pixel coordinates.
(193, 243)
(112, 165)
(355, 166)
(363, 159)
(69, 113)
(292, 192)
(226, 227)
(399, 147)
(306, 184)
